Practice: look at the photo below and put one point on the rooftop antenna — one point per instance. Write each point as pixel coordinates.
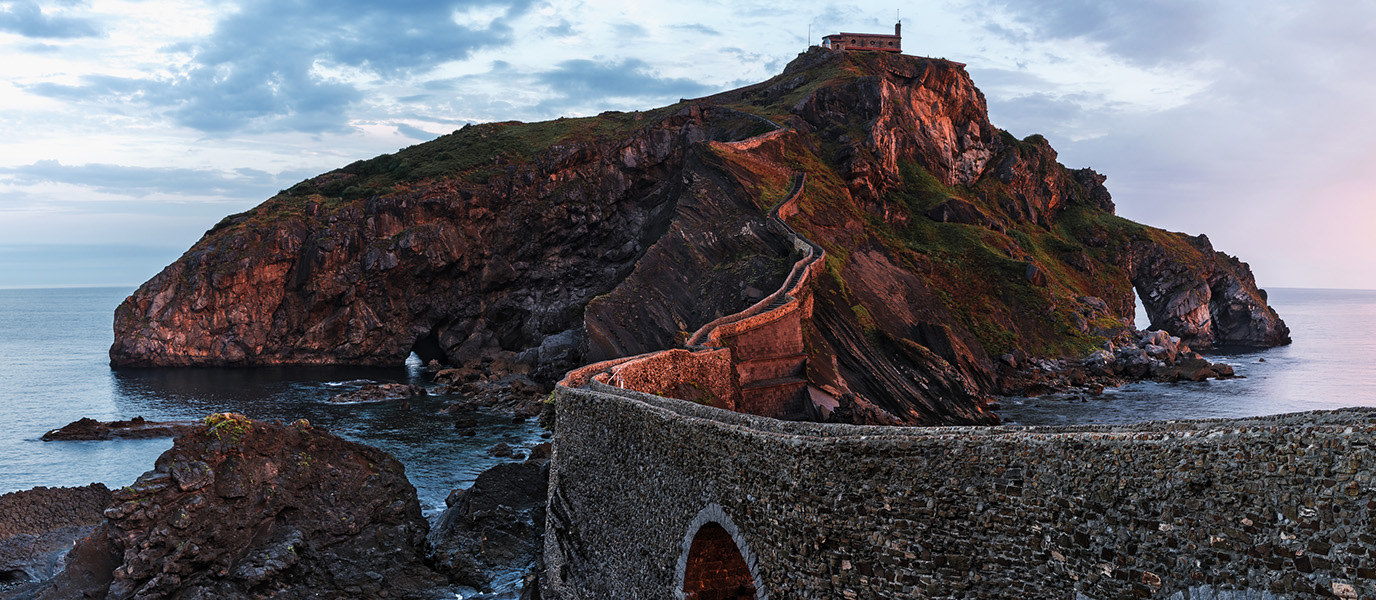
(809, 35)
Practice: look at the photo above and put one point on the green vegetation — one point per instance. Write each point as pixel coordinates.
(231, 427)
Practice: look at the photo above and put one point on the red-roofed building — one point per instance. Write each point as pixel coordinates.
(881, 42)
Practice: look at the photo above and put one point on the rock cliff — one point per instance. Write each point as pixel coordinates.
(949, 242)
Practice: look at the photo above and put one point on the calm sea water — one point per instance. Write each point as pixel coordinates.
(54, 369)
(1331, 364)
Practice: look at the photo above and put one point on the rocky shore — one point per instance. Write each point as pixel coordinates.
(39, 526)
(240, 508)
(1149, 356)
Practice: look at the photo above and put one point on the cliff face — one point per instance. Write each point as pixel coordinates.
(950, 243)
(493, 238)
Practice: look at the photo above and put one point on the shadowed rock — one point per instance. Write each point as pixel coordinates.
(494, 526)
(39, 526)
(137, 428)
(241, 508)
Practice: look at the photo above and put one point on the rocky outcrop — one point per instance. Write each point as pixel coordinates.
(380, 392)
(1206, 297)
(242, 508)
(39, 526)
(493, 238)
(87, 429)
(494, 527)
(717, 247)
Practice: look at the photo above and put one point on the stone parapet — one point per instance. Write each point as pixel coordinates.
(1268, 507)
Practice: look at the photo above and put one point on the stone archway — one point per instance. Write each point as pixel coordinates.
(716, 563)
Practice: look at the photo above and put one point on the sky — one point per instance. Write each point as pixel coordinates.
(129, 127)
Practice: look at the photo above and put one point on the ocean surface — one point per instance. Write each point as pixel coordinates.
(54, 369)
(1331, 364)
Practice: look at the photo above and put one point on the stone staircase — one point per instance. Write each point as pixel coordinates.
(755, 359)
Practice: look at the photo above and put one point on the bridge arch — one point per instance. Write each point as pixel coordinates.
(715, 561)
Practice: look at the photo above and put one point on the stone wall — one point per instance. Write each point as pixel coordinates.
(1273, 507)
(706, 376)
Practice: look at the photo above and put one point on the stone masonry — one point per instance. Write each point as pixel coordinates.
(1269, 507)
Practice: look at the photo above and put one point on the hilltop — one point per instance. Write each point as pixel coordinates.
(954, 251)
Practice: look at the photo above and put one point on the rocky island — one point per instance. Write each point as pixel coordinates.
(961, 262)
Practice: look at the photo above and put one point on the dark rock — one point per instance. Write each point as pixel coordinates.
(495, 525)
(501, 450)
(381, 392)
(238, 508)
(541, 451)
(855, 410)
(1034, 275)
(137, 428)
(458, 375)
(561, 347)
(1205, 297)
(39, 526)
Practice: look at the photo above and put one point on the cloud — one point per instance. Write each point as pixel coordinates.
(273, 66)
(580, 81)
(1145, 33)
(563, 29)
(629, 30)
(29, 20)
(143, 181)
(696, 28)
(416, 133)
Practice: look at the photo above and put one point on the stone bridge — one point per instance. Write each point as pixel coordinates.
(653, 497)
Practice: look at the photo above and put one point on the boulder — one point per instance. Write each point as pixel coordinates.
(497, 525)
(241, 508)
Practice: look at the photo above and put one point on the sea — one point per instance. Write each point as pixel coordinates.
(54, 369)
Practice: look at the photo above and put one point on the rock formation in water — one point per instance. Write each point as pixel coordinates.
(949, 243)
(495, 526)
(242, 508)
(88, 429)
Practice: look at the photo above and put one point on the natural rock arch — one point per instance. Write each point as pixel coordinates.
(716, 562)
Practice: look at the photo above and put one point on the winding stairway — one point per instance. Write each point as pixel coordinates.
(753, 361)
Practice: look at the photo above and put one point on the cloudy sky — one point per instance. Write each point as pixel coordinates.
(128, 127)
